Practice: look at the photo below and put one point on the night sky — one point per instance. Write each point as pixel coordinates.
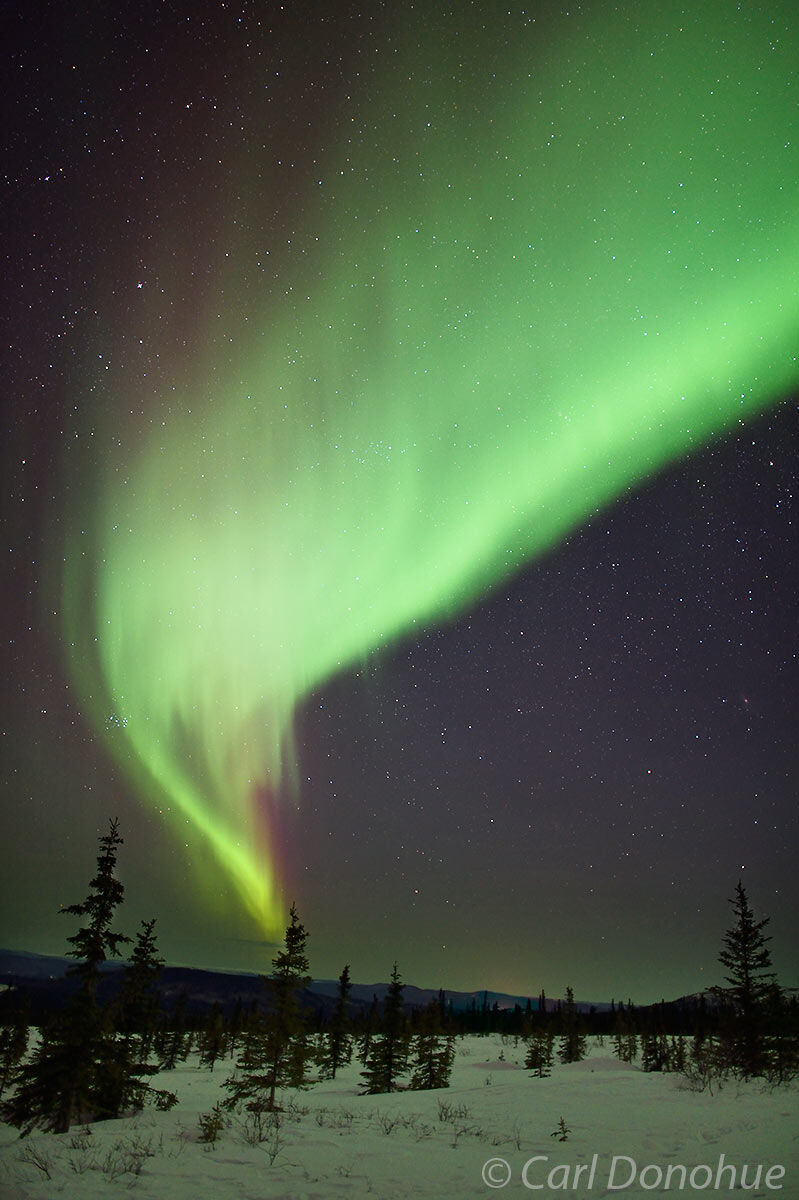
(399, 457)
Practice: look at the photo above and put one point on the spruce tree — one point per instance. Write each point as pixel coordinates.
(337, 1045)
(137, 1003)
(751, 988)
(538, 1058)
(288, 1030)
(95, 941)
(64, 1081)
(13, 1045)
(625, 1041)
(276, 1051)
(655, 1051)
(387, 1057)
(781, 1037)
(572, 1044)
(432, 1052)
(173, 1040)
(370, 1027)
(123, 1078)
(677, 1053)
(235, 1024)
(212, 1041)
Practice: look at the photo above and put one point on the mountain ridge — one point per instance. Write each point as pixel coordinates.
(43, 973)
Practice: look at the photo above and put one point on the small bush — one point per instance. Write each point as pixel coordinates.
(212, 1123)
(449, 1111)
(562, 1132)
(127, 1157)
(37, 1158)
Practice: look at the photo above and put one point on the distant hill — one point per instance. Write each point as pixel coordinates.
(43, 978)
(461, 1001)
(44, 981)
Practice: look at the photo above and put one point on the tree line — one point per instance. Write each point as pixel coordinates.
(96, 1060)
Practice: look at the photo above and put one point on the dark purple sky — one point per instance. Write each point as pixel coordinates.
(563, 785)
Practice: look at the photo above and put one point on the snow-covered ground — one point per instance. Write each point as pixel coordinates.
(633, 1135)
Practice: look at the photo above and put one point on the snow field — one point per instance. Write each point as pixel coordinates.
(491, 1132)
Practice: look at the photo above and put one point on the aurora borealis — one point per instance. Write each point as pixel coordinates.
(345, 369)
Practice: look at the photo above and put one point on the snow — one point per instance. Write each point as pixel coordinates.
(333, 1142)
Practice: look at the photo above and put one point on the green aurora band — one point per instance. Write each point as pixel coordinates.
(529, 287)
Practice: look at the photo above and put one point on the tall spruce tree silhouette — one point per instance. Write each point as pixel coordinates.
(751, 988)
(66, 1078)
